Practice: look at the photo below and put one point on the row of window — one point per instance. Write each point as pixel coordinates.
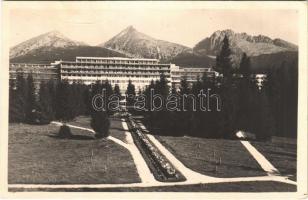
(107, 75)
(111, 72)
(116, 61)
(154, 67)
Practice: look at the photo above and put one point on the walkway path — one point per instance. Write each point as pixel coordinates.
(263, 162)
(147, 178)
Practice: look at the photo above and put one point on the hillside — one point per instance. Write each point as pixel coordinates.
(242, 42)
(193, 60)
(53, 39)
(48, 55)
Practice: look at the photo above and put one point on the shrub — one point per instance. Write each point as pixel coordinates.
(65, 132)
(100, 124)
(263, 119)
(39, 118)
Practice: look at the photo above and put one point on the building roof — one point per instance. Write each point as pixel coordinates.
(116, 58)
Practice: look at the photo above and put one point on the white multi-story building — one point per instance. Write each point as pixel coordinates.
(39, 72)
(190, 74)
(116, 70)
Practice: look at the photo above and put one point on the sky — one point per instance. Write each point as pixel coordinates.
(183, 26)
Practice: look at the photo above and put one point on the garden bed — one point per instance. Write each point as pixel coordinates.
(159, 165)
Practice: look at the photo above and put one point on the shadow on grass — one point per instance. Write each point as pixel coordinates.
(73, 137)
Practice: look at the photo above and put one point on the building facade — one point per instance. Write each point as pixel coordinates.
(39, 72)
(118, 71)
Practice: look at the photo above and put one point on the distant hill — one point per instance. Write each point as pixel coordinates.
(136, 44)
(48, 55)
(263, 63)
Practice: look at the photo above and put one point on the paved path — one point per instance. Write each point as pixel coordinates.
(263, 162)
(147, 178)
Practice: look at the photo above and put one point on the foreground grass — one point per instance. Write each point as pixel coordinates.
(116, 128)
(281, 152)
(37, 157)
(254, 186)
(213, 157)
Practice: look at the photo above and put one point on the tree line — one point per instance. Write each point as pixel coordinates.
(58, 100)
(54, 100)
(266, 111)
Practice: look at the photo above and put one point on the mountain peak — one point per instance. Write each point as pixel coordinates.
(130, 28)
(253, 45)
(51, 39)
(128, 31)
(55, 33)
(222, 33)
(134, 43)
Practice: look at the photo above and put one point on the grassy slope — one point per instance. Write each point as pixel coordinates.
(116, 128)
(198, 155)
(37, 157)
(267, 186)
(281, 152)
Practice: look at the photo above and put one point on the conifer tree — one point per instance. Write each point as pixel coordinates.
(30, 100)
(109, 91)
(244, 68)
(100, 124)
(21, 96)
(64, 109)
(87, 100)
(209, 120)
(229, 110)
(130, 95)
(184, 116)
(99, 118)
(45, 102)
(52, 89)
(223, 60)
(244, 93)
(16, 109)
(263, 119)
(116, 90)
(161, 117)
(196, 116)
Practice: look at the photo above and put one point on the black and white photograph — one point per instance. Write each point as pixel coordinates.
(132, 97)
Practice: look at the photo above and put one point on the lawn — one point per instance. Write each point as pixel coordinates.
(213, 157)
(116, 128)
(37, 157)
(254, 186)
(281, 152)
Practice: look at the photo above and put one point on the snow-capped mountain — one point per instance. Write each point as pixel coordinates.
(242, 42)
(53, 39)
(136, 44)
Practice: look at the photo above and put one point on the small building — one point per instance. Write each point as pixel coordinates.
(190, 74)
(40, 72)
